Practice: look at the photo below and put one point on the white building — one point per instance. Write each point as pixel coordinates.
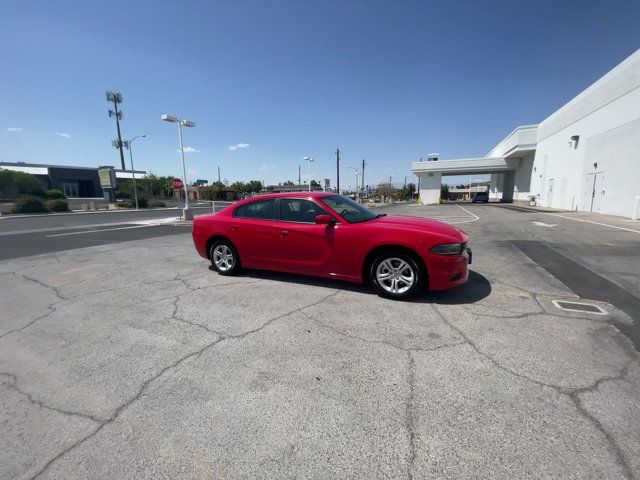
(585, 156)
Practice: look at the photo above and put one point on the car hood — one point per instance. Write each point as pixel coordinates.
(422, 224)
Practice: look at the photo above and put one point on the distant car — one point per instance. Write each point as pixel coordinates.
(481, 197)
(328, 235)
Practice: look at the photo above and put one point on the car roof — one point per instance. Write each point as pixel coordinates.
(266, 196)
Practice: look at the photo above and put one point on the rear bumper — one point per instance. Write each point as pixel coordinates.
(200, 242)
(448, 271)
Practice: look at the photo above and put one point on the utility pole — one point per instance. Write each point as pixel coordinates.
(419, 181)
(219, 174)
(299, 179)
(363, 164)
(338, 171)
(405, 181)
(116, 98)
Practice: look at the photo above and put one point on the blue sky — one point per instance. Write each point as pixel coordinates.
(389, 81)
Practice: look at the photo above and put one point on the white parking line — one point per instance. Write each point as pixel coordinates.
(472, 214)
(589, 221)
(98, 231)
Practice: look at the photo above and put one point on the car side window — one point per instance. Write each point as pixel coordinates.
(300, 210)
(264, 210)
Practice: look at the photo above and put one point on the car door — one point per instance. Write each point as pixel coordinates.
(305, 246)
(253, 233)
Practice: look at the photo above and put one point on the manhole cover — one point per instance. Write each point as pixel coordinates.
(579, 307)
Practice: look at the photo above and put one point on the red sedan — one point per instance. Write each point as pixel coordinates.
(328, 235)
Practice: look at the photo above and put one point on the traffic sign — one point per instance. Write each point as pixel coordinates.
(177, 184)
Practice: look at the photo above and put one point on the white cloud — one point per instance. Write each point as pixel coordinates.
(63, 135)
(267, 167)
(193, 172)
(15, 129)
(189, 150)
(237, 146)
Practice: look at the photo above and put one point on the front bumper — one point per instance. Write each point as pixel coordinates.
(449, 271)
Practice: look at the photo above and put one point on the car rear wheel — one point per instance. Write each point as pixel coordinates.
(396, 275)
(224, 258)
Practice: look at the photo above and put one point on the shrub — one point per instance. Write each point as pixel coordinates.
(159, 205)
(58, 205)
(121, 194)
(30, 205)
(54, 193)
(126, 204)
(143, 202)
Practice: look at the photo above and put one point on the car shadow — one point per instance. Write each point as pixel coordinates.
(476, 288)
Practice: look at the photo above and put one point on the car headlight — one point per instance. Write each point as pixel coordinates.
(448, 249)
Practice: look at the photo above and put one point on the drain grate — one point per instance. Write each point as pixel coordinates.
(579, 307)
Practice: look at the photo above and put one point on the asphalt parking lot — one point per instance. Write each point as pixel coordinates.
(134, 360)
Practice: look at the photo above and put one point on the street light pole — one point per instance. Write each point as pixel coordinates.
(357, 183)
(184, 169)
(188, 215)
(308, 160)
(128, 144)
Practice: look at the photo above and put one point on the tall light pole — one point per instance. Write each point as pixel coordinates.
(364, 163)
(127, 143)
(188, 214)
(116, 98)
(338, 171)
(308, 160)
(357, 183)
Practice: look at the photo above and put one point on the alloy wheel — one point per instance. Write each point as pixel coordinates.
(223, 258)
(395, 275)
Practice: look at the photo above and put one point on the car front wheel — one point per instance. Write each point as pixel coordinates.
(396, 276)
(224, 258)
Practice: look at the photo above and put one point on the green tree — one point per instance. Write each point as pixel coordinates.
(386, 190)
(254, 186)
(288, 182)
(314, 183)
(25, 182)
(239, 187)
(6, 179)
(444, 192)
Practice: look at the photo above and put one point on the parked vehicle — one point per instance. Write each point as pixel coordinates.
(480, 197)
(328, 235)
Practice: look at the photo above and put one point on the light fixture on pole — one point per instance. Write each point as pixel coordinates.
(357, 184)
(308, 160)
(188, 214)
(127, 143)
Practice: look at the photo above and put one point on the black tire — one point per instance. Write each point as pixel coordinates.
(219, 248)
(384, 288)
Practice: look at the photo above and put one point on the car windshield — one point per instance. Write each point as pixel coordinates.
(351, 211)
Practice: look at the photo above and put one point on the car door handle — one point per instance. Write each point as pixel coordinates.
(235, 227)
(283, 233)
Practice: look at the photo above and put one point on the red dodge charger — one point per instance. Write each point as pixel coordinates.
(328, 235)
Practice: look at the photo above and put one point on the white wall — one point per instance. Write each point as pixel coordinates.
(522, 184)
(606, 116)
(430, 185)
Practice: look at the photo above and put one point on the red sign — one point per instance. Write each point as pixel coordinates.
(177, 184)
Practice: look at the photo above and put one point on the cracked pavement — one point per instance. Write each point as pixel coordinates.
(134, 360)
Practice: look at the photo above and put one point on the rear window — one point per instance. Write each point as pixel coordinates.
(264, 210)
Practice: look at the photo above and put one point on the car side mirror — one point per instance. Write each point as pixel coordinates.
(325, 220)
